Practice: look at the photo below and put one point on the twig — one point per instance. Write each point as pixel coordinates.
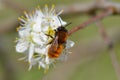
(76, 8)
(89, 8)
(109, 43)
(88, 22)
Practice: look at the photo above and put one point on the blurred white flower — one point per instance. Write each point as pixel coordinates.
(36, 33)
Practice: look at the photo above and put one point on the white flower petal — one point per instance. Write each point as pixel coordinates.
(23, 32)
(45, 25)
(37, 23)
(39, 14)
(37, 27)
(40, 38)
(22, 46)
(57, 22)
(41, 50)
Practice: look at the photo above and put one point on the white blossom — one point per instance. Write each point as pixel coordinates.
(34, 36)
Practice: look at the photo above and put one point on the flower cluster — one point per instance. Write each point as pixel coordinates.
(33, 36)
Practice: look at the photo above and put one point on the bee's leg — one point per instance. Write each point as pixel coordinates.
(49, 35)
(50, 42)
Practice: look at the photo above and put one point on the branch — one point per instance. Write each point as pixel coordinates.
(75, 8)
(90, 8)
(109, 43)
(88, 22)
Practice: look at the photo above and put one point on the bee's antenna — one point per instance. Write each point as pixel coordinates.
(68, 24)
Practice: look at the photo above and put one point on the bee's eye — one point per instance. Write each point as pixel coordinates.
(59, 29)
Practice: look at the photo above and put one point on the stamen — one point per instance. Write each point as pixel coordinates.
(60, 12)
(39, 67)
(46, 70)
(46, 10)
(31, 25)
(25, 12)
(52, 9)
(33, 12)
(19, 18)
(38, 6)
(17, 29)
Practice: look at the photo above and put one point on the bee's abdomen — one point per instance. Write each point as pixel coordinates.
(56, 53)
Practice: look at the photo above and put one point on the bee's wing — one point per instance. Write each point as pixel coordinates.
(54, 45)
(69, 44)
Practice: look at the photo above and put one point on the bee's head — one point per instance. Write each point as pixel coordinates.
(61, 28)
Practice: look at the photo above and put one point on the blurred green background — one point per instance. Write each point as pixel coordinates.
(89, 60)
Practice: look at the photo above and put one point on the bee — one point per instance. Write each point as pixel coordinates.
(59, 42)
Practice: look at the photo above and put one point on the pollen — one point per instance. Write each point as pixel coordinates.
(30, 14)
(31, 25)
(46, 70)
(46, 5)
(24, 12)
(19, 18)
(39, 67)
(23, 18)
(53, 6)
(33, 12)
(38, 8)
(17, 29)
(51, 31)
(15, 40)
